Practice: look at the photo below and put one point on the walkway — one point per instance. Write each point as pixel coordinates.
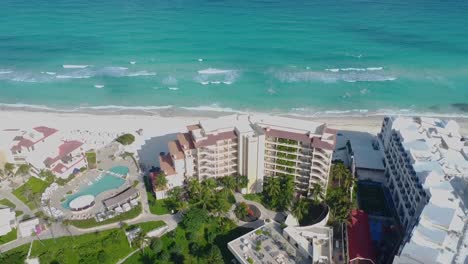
(59, 230)
(5, 192)
(265, 213)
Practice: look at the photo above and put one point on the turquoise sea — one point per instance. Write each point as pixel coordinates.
(301, 57)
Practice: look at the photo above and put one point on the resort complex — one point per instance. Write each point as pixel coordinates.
(238, 189)
(257, 147)
(427, 170)
(43, 148)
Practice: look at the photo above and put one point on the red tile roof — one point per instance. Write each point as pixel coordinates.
(175, 149)
(193, 127)
(26, 143)
(359, 238)
(319, 143)
(165, 162)
(213, 138)
(287, 135)
(185, 140)
(66, 148)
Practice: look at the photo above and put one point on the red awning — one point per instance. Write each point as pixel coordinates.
(360, 245)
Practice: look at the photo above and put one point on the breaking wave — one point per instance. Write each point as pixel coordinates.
(216, 76)
(351, 75)
(71, 72)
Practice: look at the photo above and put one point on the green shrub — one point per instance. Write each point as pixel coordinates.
(126, 139)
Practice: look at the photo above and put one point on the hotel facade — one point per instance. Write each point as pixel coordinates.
(259, 147)
(426, 162)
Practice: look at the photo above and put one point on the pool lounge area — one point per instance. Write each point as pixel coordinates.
(105, 181)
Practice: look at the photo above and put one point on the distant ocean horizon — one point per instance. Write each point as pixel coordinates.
(310, 58)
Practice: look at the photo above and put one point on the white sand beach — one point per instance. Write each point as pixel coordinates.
(97, 130)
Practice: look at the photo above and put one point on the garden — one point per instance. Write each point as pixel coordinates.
(247, 212)
(199, 238)
(30, 192)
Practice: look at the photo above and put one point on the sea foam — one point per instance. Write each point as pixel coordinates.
(216, 76)
(71, 66)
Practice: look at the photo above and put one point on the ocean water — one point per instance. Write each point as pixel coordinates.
(300, 57)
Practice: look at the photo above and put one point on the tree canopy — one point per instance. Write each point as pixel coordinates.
(279, 192)
(126, 139)
(339, 193)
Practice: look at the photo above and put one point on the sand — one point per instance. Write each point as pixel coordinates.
(98, 129)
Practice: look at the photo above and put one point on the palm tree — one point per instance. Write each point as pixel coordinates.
(242, 181)
(206, 197)
(161, 181)
(194, 189)
(175, 199)
(23, 170)
(229, 183)
(221, 204)
(273, 189)
(317, 193)
(140, 240)
(300, 208)
(9, 168)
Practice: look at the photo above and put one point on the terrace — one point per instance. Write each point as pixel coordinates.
(265, 244)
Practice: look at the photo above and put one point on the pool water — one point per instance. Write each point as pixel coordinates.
(107, 182)
(120, 170)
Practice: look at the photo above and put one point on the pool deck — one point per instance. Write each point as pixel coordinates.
(82, 181)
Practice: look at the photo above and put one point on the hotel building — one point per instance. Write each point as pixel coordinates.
(426, 169)
(258, 147)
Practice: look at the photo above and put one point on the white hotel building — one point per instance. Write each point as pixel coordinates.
(427, 172)
(256, 146)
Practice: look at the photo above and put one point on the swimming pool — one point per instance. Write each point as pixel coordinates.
(106, 182)
(120, 170)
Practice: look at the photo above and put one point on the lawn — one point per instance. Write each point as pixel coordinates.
(7, 203)
(89, 223)
(91, 158)
(371, 199)
(100, 247)
(16, 255)
(157, 207)
(184, 239)
(30, 192)
(8, 236)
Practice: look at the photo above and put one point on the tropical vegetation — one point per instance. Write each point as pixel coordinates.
(30, 192)
(339, 197)
(160, 181)
(279, 192)
(10, 236)
(126, 139)
(199, 238)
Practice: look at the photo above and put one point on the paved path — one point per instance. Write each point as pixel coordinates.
(265, 213)
(59, 230)
(5, 192)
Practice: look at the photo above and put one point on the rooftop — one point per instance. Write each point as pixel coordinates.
(436, 150)
(273, 248)
(64, 149)
(121, 197)
(28, 138)
(366, 151)
(359, 238)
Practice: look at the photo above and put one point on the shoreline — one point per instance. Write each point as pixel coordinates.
(216, 111)
(174, 120)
